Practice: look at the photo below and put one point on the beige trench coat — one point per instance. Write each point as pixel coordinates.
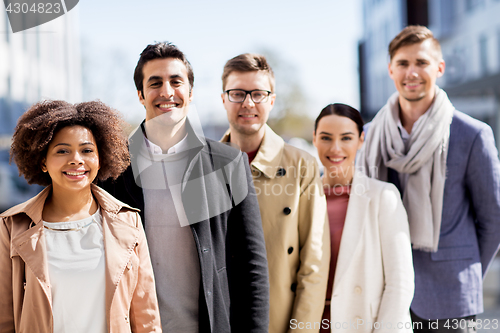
(293, 209)
(25, 296)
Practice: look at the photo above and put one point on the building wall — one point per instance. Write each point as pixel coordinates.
(39, 63)
(36, 64)
(382, 20)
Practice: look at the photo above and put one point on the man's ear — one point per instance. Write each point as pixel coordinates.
(389, 69)
(441, 68)
(191, 94)
(141, 97)
(273, 98)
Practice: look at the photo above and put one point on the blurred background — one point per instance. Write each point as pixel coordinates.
(322, 51)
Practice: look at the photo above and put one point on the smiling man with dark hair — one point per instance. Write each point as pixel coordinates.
(199, 208)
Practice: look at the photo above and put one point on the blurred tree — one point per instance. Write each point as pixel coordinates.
(289, 117)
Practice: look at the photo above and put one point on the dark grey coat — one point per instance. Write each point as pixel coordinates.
(234, 291)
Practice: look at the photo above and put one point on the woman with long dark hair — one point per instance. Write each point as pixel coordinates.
(371, 278)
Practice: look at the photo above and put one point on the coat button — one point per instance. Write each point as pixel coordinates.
(357, 290)
(290, 250)
(287, 210)
(293, 287)
(281, 172)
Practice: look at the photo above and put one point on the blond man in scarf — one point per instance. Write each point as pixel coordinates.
(446, 166)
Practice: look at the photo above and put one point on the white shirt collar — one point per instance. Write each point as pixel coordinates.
(177, 148)
(402, 130)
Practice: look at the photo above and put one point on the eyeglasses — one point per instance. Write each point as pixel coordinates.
(239, 95)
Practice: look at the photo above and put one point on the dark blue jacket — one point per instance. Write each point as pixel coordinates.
(449, 282)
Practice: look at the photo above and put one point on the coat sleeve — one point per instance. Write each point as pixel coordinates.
(249, 279)
(6, 288)
(144, 312)
(483, 182)
(314, 251)
(394, 308)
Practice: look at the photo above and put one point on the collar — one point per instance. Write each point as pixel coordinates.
(360, 183)
(154, 149)
(402, 131)
(404, 134)
(193, 139)
(194, 143)
(34, 206)
(270, 153)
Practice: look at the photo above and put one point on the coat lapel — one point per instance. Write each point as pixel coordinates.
(270, 153)
(356, 218)
(30, 245)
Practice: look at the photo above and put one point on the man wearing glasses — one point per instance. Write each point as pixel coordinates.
(291, 199)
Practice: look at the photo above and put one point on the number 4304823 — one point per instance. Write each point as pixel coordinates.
(41, 8)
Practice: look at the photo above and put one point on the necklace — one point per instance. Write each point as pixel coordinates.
(71, 229)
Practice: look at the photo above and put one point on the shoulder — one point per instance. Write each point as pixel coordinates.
(220, 156)
(470, 135)
(110, 203)
(296, 154)
(375, 188)
(31, 207)
(222, 151)
(17, 209)
(381, 186)
(465, 125)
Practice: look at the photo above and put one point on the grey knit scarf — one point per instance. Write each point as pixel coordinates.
(425, 162)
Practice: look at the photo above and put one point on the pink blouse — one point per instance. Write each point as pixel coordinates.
(337, 199)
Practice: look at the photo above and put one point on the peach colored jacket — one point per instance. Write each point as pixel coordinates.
(25, 295)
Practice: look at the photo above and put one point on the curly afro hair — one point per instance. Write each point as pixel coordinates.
(37, 126)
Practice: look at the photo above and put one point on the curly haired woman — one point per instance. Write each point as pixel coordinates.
(73, 258)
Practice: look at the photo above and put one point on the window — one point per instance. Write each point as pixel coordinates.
(483, 55)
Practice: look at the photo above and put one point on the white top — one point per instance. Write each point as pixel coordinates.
(171, 244)
(75, 256)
